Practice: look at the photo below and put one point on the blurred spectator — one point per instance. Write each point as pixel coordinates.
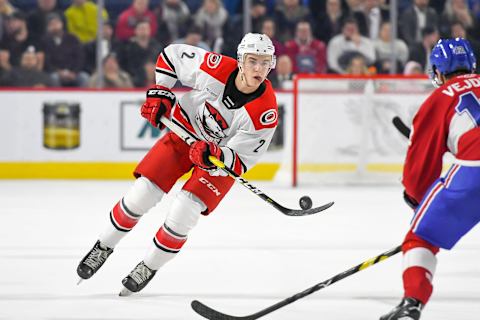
(234, 27)
(456, 11)
(194, 38)
(6, 10)
(64, 55)
(412, 68)
(343, 47)
(108, 43)
(357, 66)
(457, 30)
(16, 39)
(287, 14)
(370, 18)
(113, 76)
(383, 48)
(5, 66)
(270, 29)
(27, 74)
(258, 13)
(329, 22)
(37, 18)
(81, 18)
(354, 5)
(416, 18)
(149, 68)
(282, 78)
(211, 17)
(385, 67)
(308, 54)
(176, 16)
(129, 18)
(420, 51)
(139, 49)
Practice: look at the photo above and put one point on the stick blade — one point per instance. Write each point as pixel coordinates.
(401, 126)
(299, 213)
(209, 313)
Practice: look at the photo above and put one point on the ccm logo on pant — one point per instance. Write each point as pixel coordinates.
(210, 186)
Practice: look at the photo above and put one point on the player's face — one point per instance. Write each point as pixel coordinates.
(256, 68)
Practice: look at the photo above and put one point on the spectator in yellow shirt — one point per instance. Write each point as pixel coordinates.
(81, 19)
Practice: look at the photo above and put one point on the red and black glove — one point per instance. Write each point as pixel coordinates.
(201, 150)
(160, 101)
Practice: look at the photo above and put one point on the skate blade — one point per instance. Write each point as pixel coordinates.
(80, 281)
(125, 292)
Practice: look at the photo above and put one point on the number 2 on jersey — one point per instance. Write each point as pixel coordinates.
(469, 103)
(191, 55)
(262, 142)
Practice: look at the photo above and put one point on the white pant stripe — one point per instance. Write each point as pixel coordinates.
(420, 213)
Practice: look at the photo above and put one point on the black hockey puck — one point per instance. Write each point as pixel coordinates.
(305, 202)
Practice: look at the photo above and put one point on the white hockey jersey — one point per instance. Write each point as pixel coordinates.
(214, 110)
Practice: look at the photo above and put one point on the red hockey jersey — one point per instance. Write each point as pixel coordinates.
(214, 110)
(447, 121)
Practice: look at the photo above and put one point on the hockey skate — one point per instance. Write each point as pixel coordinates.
(137, 279)
(94, 259)
(408, 309)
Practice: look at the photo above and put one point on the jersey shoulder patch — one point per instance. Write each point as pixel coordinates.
(263, 111)
(218, 66)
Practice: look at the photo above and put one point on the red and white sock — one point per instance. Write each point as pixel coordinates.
(141, 197)
(167, 243)
(419, 263)
(170, 238)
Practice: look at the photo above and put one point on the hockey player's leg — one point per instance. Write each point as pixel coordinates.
(419, 263)
(168, 241)
(142, 196)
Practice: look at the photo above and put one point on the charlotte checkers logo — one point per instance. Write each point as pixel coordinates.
(213, 60)
(268, 117)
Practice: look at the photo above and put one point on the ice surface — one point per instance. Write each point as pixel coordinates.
(243, 258)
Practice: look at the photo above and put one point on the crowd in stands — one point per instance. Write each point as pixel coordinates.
(52, 43)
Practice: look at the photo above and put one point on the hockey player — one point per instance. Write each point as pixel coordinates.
(232, 108)
(446, 208)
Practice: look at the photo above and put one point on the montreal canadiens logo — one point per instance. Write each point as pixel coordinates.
(268, 117)
(213, 60)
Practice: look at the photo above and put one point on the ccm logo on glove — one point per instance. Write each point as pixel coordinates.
(159, 103)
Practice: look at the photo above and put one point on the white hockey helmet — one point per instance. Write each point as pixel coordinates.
(256, 43)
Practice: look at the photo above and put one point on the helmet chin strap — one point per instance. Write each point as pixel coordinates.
(436, 79)
(437, 83)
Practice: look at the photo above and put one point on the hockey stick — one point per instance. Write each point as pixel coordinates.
(212, 314)
(401, 126)
(190, 138)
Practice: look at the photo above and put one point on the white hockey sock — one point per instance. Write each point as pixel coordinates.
(141, 197)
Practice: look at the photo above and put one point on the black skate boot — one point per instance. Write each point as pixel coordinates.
(94, 259)
(137, 279)
(408, 309)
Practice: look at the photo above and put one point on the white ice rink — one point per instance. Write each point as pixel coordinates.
(243, 258)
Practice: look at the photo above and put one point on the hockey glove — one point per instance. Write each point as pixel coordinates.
(201, 150)
(412, 203)
(159, 103)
